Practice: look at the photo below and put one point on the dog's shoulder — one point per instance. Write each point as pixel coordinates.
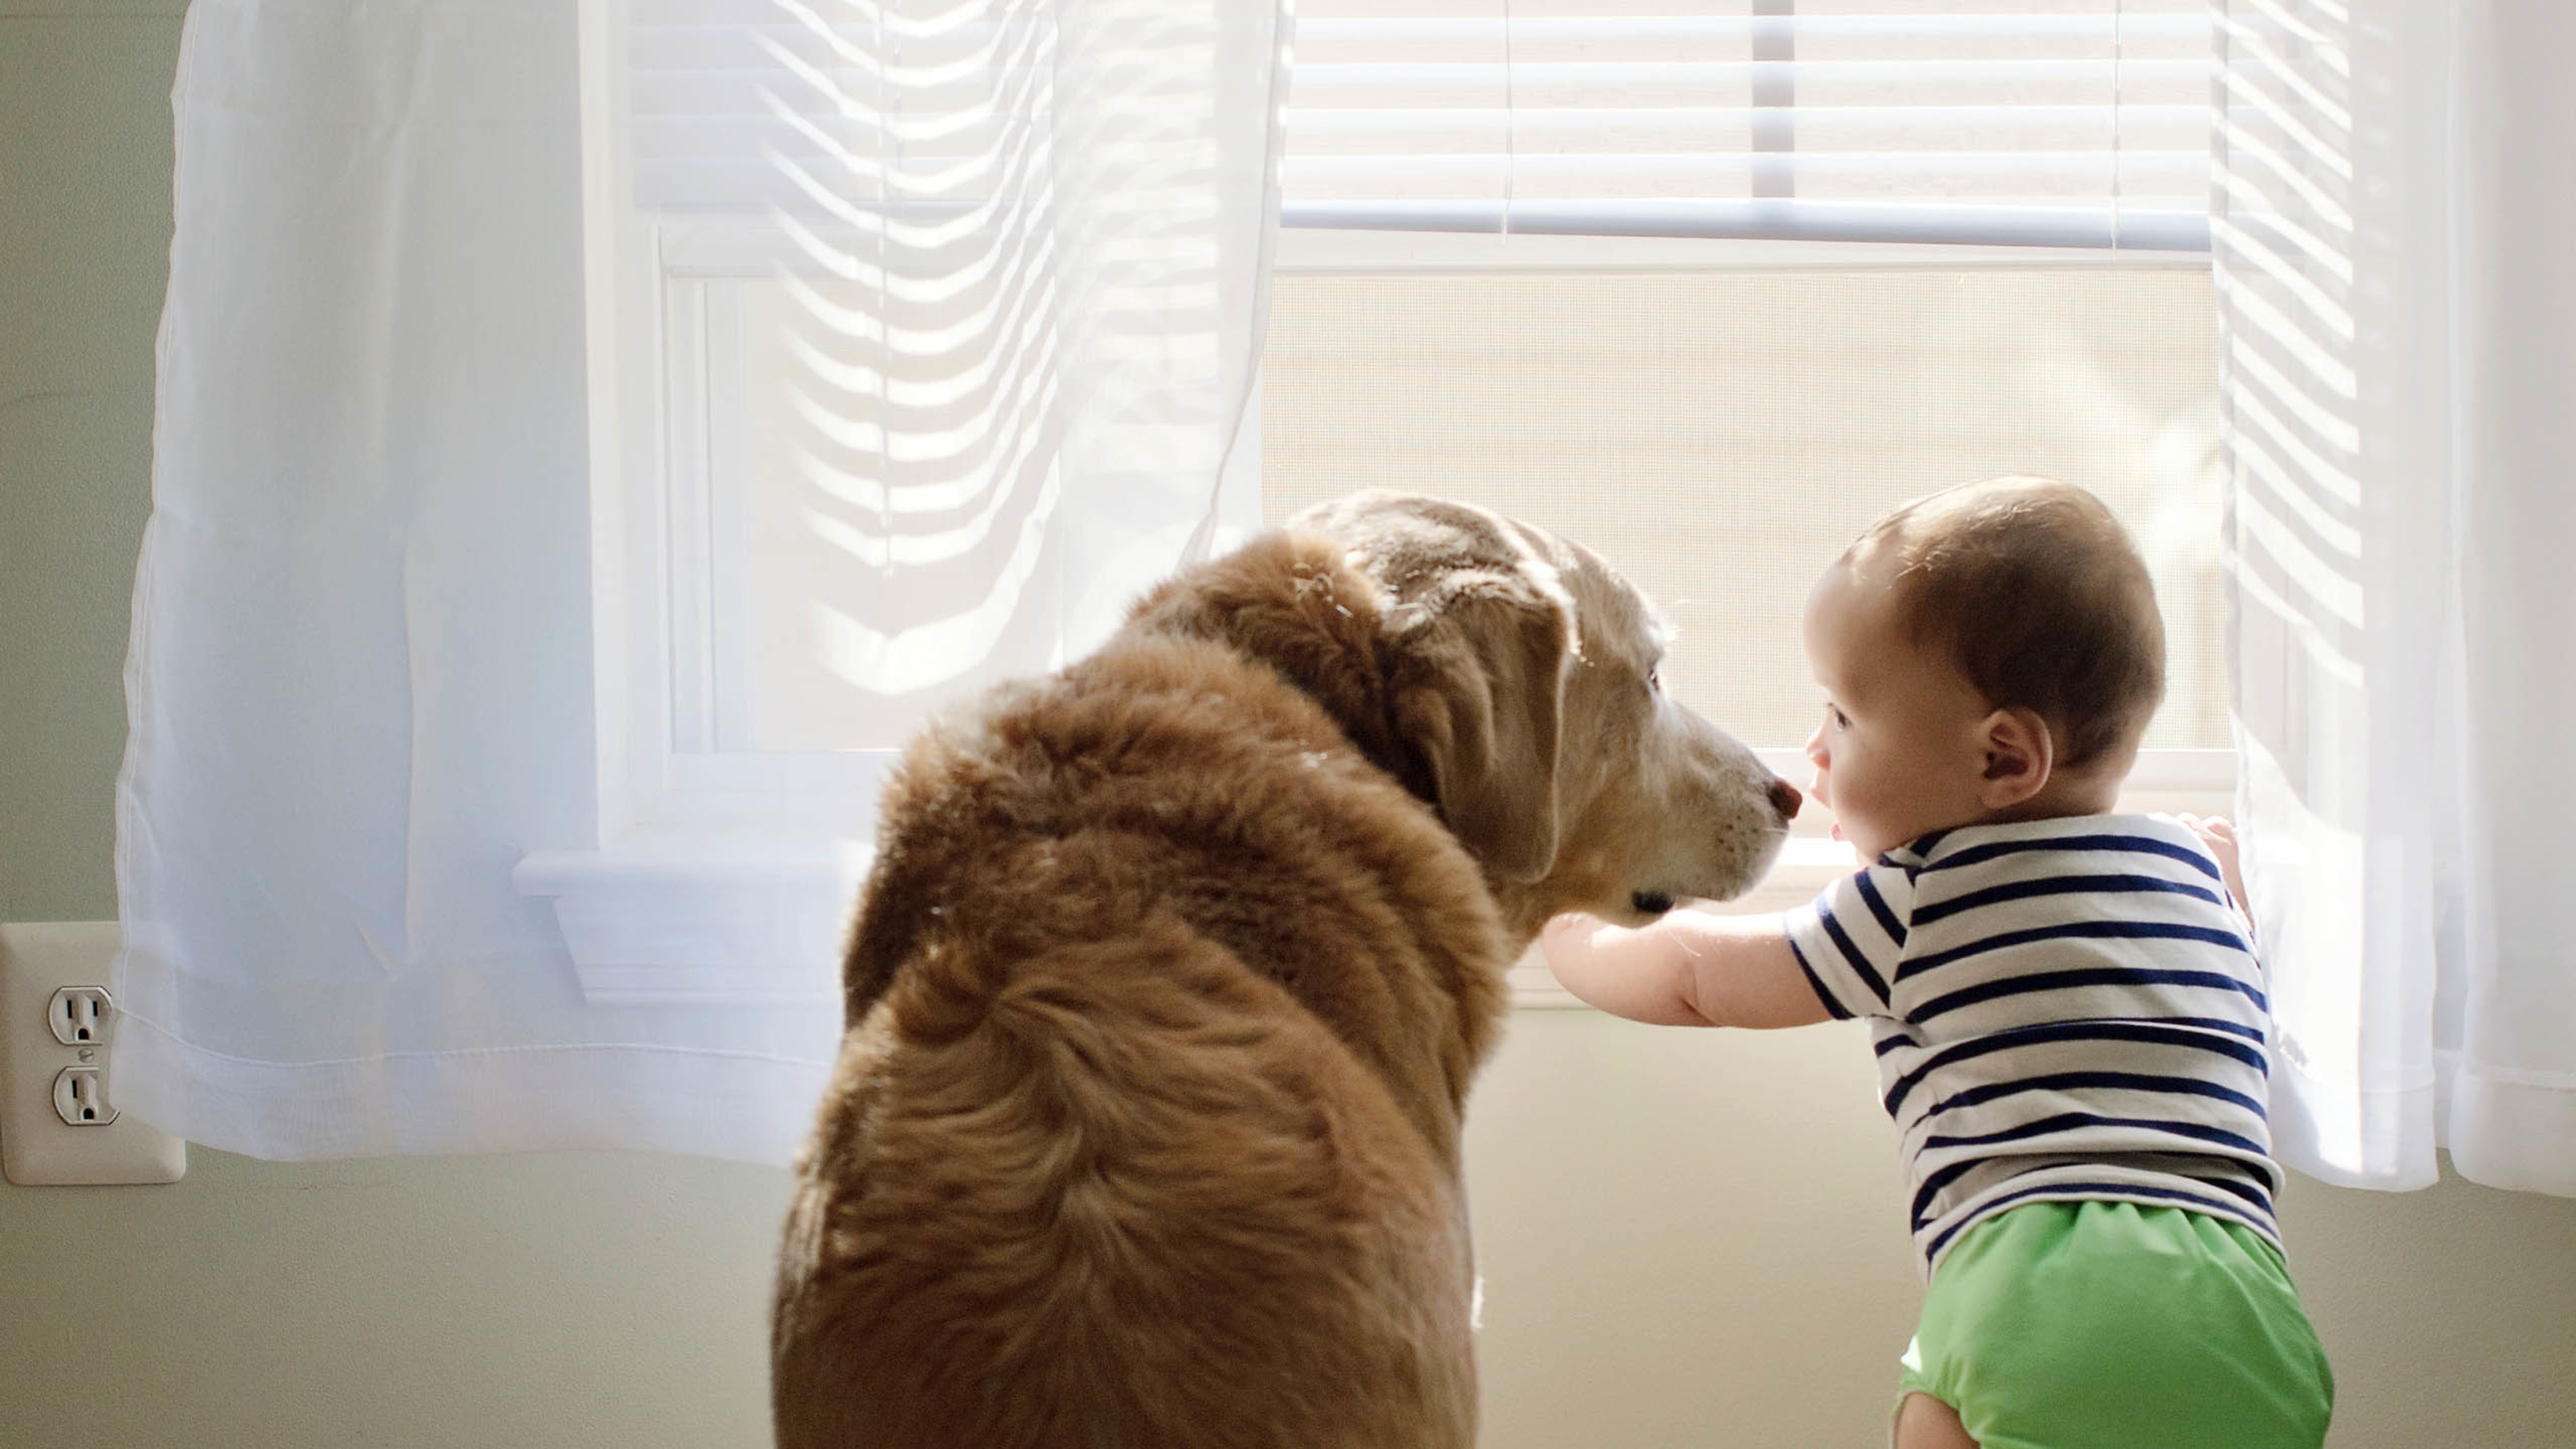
(1176, 772)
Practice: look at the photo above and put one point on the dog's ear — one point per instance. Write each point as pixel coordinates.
(1480, 694)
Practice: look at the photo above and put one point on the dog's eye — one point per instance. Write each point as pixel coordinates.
(1655, 679)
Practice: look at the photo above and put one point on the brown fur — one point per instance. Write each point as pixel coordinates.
(1170, 978)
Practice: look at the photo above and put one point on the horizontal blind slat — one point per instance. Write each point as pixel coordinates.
(1781, 219)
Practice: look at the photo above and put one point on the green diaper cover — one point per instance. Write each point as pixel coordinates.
(2108, 1325)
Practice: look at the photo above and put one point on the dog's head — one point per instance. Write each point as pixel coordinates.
(1520, 687)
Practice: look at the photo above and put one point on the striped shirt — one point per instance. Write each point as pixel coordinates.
(2063, 1010)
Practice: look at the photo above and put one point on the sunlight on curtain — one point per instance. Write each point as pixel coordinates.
(1015, 247)
(2389, 244)
(996, 343)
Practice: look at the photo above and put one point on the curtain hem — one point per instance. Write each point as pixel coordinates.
(2348, 1135)
(738, 1107)
(2513, 1130)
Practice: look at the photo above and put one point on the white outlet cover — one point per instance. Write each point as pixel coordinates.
(78, 1015)
(36, 1146)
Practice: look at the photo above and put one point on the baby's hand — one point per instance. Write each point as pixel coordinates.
(1573, 944)
(1598, 962)
(1569, 930)
(2220, 838)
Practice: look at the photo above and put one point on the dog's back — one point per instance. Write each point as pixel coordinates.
(1171, 976)
(1164, 1000)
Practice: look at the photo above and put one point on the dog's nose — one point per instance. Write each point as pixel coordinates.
(1786, 799)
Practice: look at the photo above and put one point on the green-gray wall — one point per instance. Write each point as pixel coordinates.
(1689, 1239)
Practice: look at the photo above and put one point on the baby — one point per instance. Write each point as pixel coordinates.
(2068, 1015)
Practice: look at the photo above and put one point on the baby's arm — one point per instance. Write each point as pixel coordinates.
(1686, 968)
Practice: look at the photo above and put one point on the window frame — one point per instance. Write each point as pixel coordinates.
(707, 869)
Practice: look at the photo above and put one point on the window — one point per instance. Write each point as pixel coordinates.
(1705, 288)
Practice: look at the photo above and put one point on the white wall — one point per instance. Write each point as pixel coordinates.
(1696, 1238)
(1690, 1239)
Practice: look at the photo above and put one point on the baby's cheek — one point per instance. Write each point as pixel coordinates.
(1859, 815)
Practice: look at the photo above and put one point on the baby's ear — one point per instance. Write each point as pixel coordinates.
(2020, 752)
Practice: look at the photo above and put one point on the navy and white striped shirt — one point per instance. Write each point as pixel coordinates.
(2063, 1010)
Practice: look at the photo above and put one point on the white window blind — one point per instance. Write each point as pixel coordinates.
(1995, 122)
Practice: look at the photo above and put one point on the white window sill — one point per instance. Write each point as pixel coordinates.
(683, 917)
(683, 921)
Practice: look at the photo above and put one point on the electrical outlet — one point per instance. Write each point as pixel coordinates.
(58, 1117)
(79, 1015)
(80, 1097)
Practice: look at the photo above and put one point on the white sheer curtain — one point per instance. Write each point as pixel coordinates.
(2395, 236)
(361, 683)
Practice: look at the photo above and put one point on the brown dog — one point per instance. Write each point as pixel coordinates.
(1172, 972)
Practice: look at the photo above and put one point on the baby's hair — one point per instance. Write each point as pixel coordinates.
(2041, 599)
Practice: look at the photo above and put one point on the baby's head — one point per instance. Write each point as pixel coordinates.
(1991, 652)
